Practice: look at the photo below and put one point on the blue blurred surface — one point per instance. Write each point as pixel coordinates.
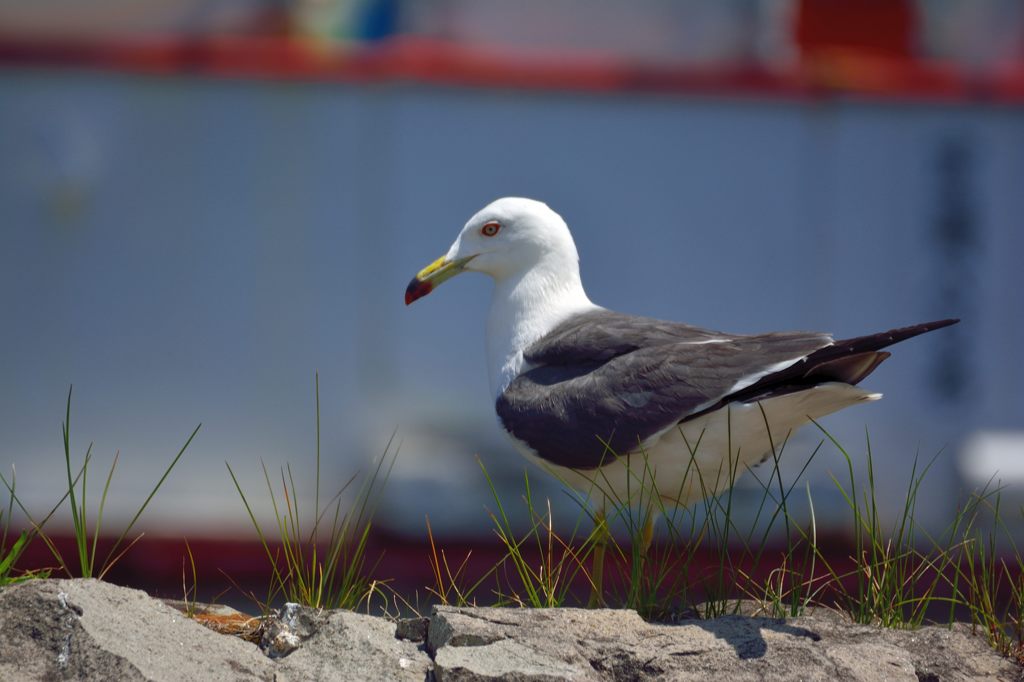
(187, 250)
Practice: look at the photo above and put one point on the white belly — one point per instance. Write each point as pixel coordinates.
(704, 456)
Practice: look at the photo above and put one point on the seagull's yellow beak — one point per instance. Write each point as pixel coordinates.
(430, 277)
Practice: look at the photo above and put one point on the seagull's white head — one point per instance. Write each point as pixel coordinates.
(506, 238)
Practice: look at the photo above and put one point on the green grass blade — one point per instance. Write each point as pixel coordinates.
(99, 513)
(149, 498)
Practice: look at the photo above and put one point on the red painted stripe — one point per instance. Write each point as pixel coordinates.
(827, 73)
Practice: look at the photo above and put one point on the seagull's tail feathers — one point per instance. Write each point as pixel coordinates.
(851, 360)
(848, 361)
(883, 339)
(850, 369)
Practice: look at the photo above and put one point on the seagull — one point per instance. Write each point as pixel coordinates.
(583, 391)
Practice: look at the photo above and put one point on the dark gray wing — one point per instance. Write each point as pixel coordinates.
(604, 377)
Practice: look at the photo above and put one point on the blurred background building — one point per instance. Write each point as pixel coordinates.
(204, 202)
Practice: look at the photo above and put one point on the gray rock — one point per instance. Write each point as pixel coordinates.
(288, 628)
(412, 629)
(84, 629)
(354, 646)
(89, 630)
(576, 644)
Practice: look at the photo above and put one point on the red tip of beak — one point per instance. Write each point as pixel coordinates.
(417, 289)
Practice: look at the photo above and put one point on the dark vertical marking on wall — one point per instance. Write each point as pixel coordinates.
(956, 240)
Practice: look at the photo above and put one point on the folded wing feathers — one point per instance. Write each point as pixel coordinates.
(625, 378)
(604, 377)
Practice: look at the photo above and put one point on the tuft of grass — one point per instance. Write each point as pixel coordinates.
(540, 567)
(895, 581)
(86, 540)
(990, 587)
(450, 586)
(902, 577)
(793, 586)
(13, 553)
(324, 566)
(9, 554)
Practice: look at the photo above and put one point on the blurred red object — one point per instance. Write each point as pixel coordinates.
(880, 28)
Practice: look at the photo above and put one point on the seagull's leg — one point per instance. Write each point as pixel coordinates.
(601, 538)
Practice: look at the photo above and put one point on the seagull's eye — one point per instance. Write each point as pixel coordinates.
(490, 229)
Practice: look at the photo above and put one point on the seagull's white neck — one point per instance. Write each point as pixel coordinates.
(526, 306)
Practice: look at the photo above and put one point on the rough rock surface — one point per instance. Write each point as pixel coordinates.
(90, 630)
(84, 629)
(353, 646)
(580, 644)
